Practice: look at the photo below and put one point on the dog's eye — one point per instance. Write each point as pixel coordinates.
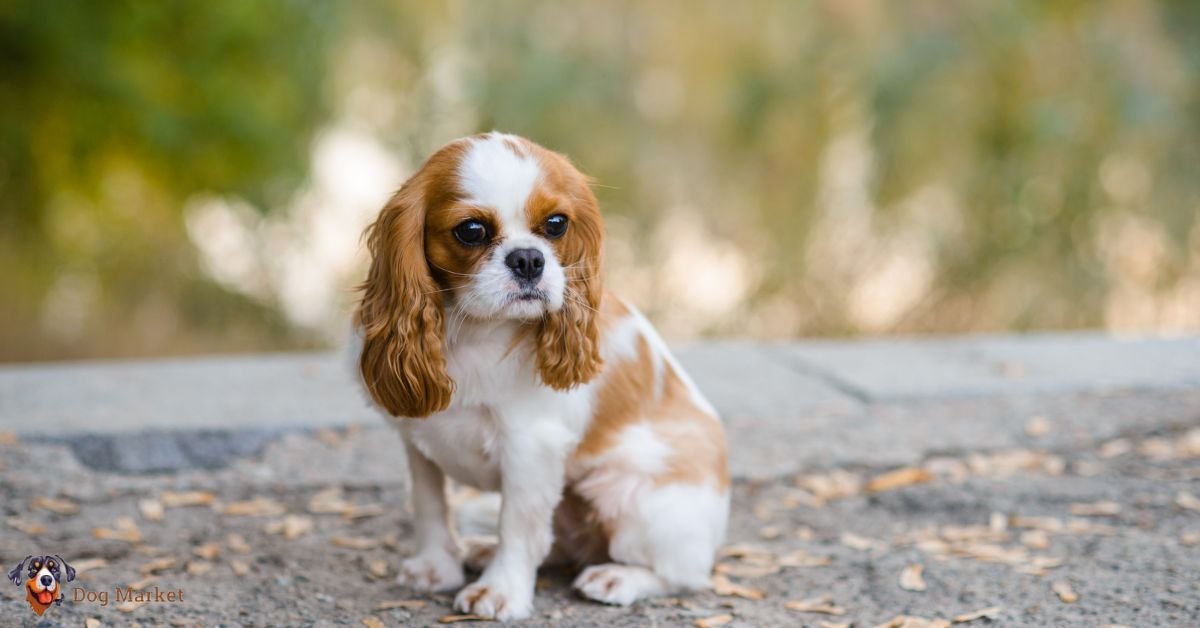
(50, 564)
(555, 226)
(471, 233)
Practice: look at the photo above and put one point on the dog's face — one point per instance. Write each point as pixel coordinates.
(492, 227)
(43, 578)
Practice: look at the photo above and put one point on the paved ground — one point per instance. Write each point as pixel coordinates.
(1055, 479)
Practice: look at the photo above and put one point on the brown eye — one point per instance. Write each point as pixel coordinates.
(471, 233)
(555, 226)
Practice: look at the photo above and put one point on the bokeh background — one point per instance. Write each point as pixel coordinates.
(186, 177)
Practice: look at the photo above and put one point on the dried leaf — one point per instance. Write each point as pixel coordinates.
(769, 532)
(372, 622)
(1187, 500)
(240, 568)
(151, 509)
(207, 551)
(291, 527)
(1096, 509)
(898, 479)
(143, 583)
(257, 507)
(355, 542)
(1037, 427)
(161, 564)
(237, 544)
(1188, 539)
(130, 606)
(362, 511)
(31, 528)
(92, 622)
(801, 558)
(1035, 539)
(454, 619)
(1048, 524)
(378, 568)
(912, 578)
(58, 506)
(123, 530)
(724, 587)
(1065, 592)
(410, 605)
(831, 624)
(741, 570)
(908, 621)
(172, 499)
(861, 543)
(327, 501)
(1157, 448)
(992, 612)
(8, 438)
(715, 620)
(88, 564)
(822, 604)
(198, 567)
(750, 553)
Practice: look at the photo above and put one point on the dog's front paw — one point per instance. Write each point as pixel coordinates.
(431, 572)
(494, 598)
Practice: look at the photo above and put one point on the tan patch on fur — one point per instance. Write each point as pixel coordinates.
(580, 535)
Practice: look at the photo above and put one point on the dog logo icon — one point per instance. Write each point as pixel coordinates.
(43, 579)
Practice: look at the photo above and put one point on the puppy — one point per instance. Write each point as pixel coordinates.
(42, 581)
(487, 335)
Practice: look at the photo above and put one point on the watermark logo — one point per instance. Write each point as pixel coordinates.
(43, 578)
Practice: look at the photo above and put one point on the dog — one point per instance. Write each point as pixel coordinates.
(43, 581)
(488, 339)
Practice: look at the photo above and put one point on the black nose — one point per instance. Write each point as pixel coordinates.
(526, 263)
(46, 580)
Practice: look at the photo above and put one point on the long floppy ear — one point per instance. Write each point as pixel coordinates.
(15, 574)
(400, 315)
(68, 571)
(568, 342)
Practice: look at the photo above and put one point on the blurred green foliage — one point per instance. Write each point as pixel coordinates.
(870, 167)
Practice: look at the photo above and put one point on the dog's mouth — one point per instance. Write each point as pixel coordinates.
(527, 295)
(44, 597)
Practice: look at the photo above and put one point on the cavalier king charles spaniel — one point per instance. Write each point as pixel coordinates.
(487, 336)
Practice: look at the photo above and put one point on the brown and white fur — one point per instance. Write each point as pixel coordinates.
(533, 382)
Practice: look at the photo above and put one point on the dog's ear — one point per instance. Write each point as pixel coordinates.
(67, 570)
(15, 574)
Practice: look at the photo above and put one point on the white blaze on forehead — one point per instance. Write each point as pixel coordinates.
(493, 175)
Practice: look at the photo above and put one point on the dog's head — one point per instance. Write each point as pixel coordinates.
(492, 227)
(43, 577)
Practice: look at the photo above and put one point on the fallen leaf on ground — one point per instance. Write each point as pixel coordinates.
(411, 605)
(822, 604)
(831, 624)
(89, 564)
(1083, 526)
(990, 613)
(372, 622)
(743, 570)
(151, 509)
(237, 544)
(1048, 524)
(1157, 448)
(1035, 539)
(207, 551)
(198, 567)
(8, 438)
(173, 499)
(240, 568)
(327, 501)
(355, 542)
(31, 528)
(142, 584)
(1114, 448)
(1037, 427)
(898, 479)
(832, 485)
(123, 530)
(362, 511)
(715, 620)
(257, 507)
(92, 622)
(291, 527)
(1096, 509)
(911, 578)
(801, 558)
(908, 621)
(1065, 591)
(56, 505)
(1187, 500)
(724, 587)
(861, 543)
(769, 532)
(454, 619)
(378, 568)
(130, 606)
(1189, 538)
(158, 565)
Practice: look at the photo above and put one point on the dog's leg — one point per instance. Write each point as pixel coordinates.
(437, 565)
(533, 460)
